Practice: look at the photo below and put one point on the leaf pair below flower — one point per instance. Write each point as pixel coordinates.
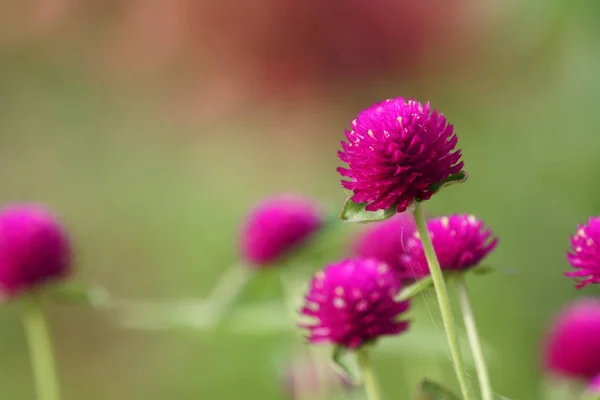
(356, 212)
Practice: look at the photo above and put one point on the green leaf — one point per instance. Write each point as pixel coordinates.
(80, 295)
(428, 390)
(452, 179)
(416, 288)
(482, 270)
(486, 269)
(344, 366)
(355, 212)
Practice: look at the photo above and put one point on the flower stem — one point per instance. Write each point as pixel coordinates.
(444, 302)
(227, 291)
(40, 349)
(367, 375)
(474, 342)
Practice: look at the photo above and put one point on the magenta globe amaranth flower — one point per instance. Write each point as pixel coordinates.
(585, 254)
(395, 151)
(460, 243)
(572, 347)
(386, 240)
(34, 249)
(352, 303)
(276, 226)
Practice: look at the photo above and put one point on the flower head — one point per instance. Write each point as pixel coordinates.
(585, 253)
(460, 242)
(386, 240)
(353, 303)
(572, 347)
(276, 226)
(396, 151)
(34, 249)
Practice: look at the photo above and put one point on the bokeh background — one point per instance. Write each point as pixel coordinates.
(152, 126)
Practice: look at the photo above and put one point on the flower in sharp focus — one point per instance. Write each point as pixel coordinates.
(276, 226)
(352, 302)
(585, 254)
(460, 242)
(386, 240)
(34, 249)
(395, 151)
(572, 347)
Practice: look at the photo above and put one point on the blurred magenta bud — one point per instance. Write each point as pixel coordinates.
(34, 249)
(386, 240)
(276, 226)
(572, 347)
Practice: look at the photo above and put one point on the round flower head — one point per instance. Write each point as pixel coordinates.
(352, 303)
(276, 226)
(34, 249)
(585, 254)
(396, 151)
(572, 347)
(386, 240)
(460, 242)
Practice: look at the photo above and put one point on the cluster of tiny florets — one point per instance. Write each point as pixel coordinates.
(395, 151)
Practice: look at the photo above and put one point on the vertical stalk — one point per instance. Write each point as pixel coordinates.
(473, 336)
(367, 375)
(40, 349)
(444, 303)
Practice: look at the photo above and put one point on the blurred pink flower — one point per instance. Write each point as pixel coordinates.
(276, 226)
(572, 345)
(386, 240)
(34, 249)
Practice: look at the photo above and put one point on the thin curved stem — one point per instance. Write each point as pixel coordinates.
(444, 303)
(473, 336)
(40, 349)
(367, 375)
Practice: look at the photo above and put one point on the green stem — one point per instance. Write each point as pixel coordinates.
(367, 375)
(227, 290)
(444, 303)
(469, 319)
(40, 349)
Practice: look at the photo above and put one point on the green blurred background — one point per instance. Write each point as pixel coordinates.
(151, 127)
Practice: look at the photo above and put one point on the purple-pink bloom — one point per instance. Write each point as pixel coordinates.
(585, 254)
(34, 249)
(572, 347)
(352, 302)
(460, 242)
(276, 226)
(386, 240)
(395, 151)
